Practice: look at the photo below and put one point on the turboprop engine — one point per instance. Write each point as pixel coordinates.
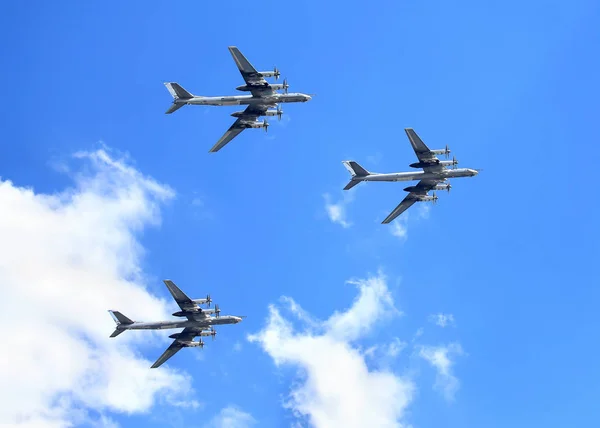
(255, 124)
(427, 198)
(277, 112)
(445, 151)
(275, 73)
(449, 162)
(192, 344)
(207, 301)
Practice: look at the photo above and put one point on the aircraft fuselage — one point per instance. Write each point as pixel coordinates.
(246, 99)
(163, 325)
(419, 175)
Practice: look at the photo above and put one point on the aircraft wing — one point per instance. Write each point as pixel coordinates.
(187, 334)
(423, 152)
(184, 302)
(252, 112)
(424, 186)
(249, 73)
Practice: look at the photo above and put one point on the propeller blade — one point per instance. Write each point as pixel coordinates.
(285, 85)
(276, 72)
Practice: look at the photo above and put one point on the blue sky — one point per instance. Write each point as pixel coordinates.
(511, 87)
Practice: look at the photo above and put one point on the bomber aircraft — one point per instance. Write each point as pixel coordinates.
(263, 98)
(199, 322)
(433, 177)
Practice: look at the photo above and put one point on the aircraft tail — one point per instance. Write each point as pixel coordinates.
(120, 318)
(178, 93)
(356, 171)
(116, 333)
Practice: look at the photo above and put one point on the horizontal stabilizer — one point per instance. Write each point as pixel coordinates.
(177, 91)
(120, 318)
(355, 169)
(116, 333)
(174, 107)
(351, 184)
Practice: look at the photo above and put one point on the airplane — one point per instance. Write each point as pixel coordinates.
(433, 177)
(264, 97)
(199, 322)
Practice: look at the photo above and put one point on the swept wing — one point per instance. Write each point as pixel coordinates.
(253, 78)
(423, 187)
(185, 303)
(187, 334)
(427, 160)
(252, 112)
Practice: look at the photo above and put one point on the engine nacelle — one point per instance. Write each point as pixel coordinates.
(192, 344)
(252, 86)
(208, 333)
(445, 186)
(275, 73)
(426, 198)
(445, 151)
(273, 112)
(255, 124)
(449, 162)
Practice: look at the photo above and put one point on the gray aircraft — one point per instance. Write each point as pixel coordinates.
(199, 322)
(433, 177)
(264, 97)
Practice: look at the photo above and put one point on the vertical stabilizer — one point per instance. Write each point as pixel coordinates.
(120, 318)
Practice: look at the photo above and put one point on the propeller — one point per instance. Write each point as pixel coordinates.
(285, 85)
(447, 153)
(213, 334)
(435, 198)
(217, 311)
(454, 162)
(276, 72)
(201, 343)
(279, 112)
(265, 125)
(449, 187)
(208, 300)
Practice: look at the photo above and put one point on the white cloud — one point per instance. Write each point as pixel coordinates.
(337, 388)
(337, 211)
(398, 229)
(65, 259)
(439, 357)
(232, 417)
(442, 320)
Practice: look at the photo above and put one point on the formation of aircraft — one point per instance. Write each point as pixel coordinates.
(199, 323)
(264, 100)
(264, 97)
(434, 176)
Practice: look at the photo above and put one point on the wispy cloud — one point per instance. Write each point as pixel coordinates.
(85, 256)
(442, 320)
(337, 211)
(398, 229)
(439, 357)
(336, 377)
(232, 417)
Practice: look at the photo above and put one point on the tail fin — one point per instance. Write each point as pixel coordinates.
(357, 172)
(355, 169)
(177, 91)
(120, 318)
